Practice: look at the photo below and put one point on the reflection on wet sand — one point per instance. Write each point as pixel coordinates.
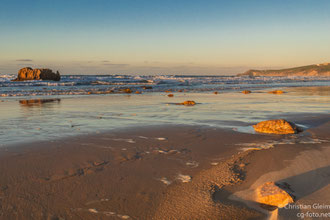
(37, 102)
(319, 91)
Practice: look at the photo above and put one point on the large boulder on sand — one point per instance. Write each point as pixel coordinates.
(279, 126)
(27, 73)
(271, 194)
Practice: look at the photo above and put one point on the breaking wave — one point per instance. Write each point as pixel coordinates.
(102, 84)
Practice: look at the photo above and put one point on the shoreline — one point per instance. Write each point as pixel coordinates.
(137, 111)
(153, 160)
(141, 173)
(306, 120)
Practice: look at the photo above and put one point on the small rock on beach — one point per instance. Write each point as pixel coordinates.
(277, 92)
(246, 92)
(187, 103)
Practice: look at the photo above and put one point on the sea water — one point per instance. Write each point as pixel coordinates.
(45, 110)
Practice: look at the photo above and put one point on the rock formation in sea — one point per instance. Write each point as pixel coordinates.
(310, 70)
(278, 126)
(27, 73)
(128, 90)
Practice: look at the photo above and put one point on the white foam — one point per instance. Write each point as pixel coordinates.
(108, 213)
(82, 85)
(271, 144)
(93, 210)
(123, 216)
(184, 178)
(192, 164)
(126, 140)
(165, 181)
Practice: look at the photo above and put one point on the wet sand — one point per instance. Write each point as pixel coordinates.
(45, 118)
(105, 176)
(162, 172)
(191, 169)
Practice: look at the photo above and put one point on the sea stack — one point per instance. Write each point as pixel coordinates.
(27, 73)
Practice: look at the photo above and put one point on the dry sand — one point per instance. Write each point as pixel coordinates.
(162, 172)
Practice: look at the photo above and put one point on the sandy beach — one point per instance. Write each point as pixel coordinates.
(143, 156)
(164, 110)
(163, 172)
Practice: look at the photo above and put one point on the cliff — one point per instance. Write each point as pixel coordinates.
(311, 70)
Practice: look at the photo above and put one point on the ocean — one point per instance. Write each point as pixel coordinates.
(102, 84)
(83, 104)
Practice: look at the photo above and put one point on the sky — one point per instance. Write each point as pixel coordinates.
(162, 36)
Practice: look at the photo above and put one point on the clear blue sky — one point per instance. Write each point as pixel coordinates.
(144, 37)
